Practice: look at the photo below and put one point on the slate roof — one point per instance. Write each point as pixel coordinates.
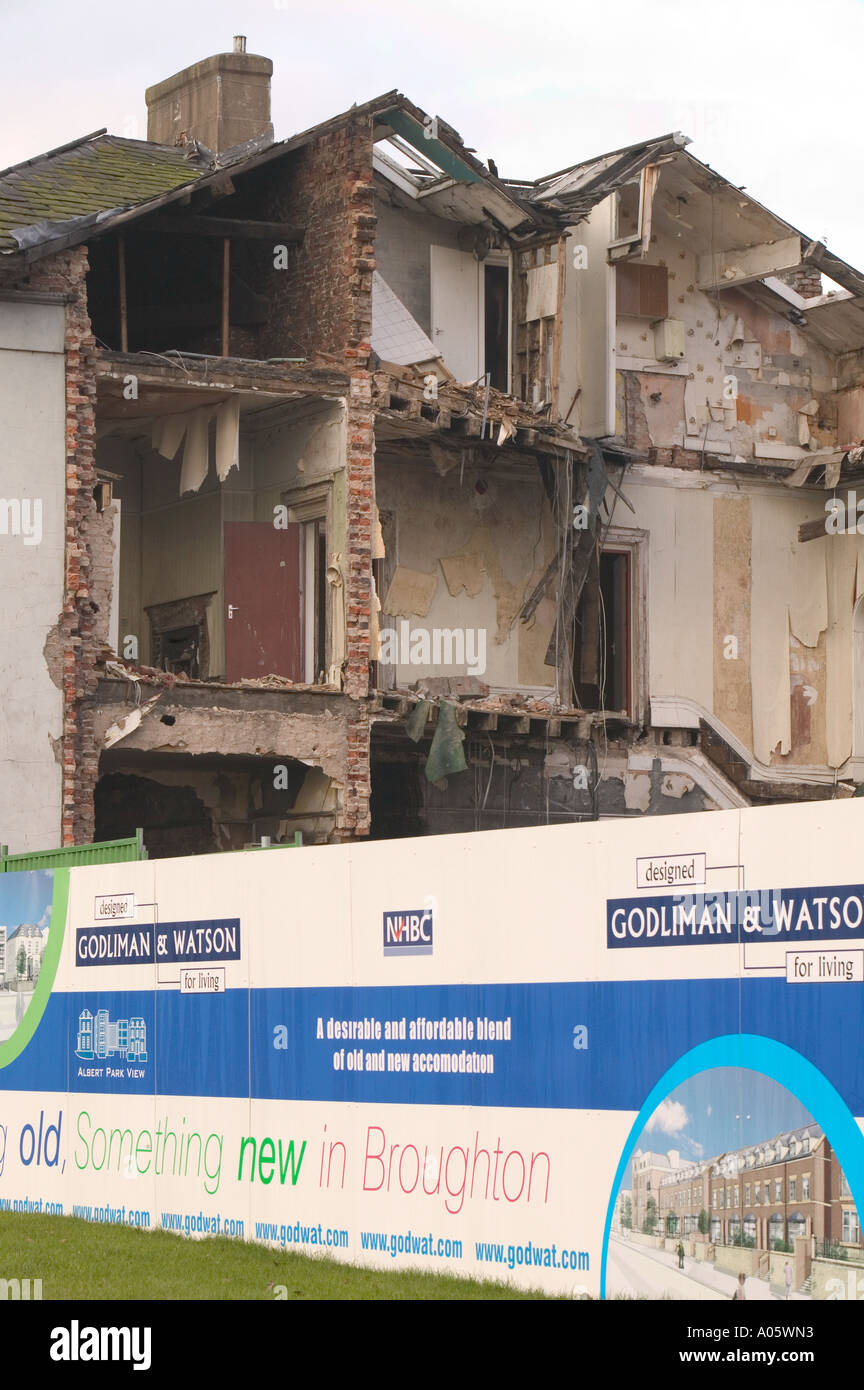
(82, 182)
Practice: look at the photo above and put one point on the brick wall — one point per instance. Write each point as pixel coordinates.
(805, 280)
(359, 260)
(325, 300)
(321, 301)
(354, 818)
(360, 492)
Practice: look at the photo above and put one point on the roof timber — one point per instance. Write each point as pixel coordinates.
(230, 374)
(232, 227)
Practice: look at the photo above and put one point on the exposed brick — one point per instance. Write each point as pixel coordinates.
(320, 305)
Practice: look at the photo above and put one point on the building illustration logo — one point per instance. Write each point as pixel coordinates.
(100, 1037)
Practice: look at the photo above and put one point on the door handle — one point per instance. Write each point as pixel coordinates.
(232, 609)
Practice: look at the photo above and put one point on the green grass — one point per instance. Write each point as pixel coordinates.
(78, 1259)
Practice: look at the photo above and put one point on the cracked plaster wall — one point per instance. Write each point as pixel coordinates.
(467, 555)
(725, 562)
(33, 410)
(778, 370)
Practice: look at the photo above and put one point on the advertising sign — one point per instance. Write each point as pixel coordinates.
(616, 1057)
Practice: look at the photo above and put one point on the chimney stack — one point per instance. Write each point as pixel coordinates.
(221, 101)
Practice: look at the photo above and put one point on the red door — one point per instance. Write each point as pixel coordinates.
(263, 604)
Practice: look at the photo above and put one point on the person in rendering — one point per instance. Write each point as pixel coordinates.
(739, 1293)
(787, 1275)
(680, 1253)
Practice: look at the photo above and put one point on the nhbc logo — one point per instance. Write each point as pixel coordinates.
(408, 933)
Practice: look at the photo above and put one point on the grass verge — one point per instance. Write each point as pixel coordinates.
(78, 1259)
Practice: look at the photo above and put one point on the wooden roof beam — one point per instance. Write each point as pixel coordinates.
(234, 227)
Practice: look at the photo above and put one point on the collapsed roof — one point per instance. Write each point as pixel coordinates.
(724, 219)
(101, 181)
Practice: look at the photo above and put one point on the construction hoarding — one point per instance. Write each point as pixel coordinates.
(614, 1056)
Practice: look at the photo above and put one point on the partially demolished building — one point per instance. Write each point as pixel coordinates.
(350, 488)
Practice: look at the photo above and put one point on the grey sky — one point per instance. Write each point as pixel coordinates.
(769, 92)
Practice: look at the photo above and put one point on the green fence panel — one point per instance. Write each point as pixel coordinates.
(106, 852)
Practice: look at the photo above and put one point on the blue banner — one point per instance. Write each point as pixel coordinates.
(597, 1046)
